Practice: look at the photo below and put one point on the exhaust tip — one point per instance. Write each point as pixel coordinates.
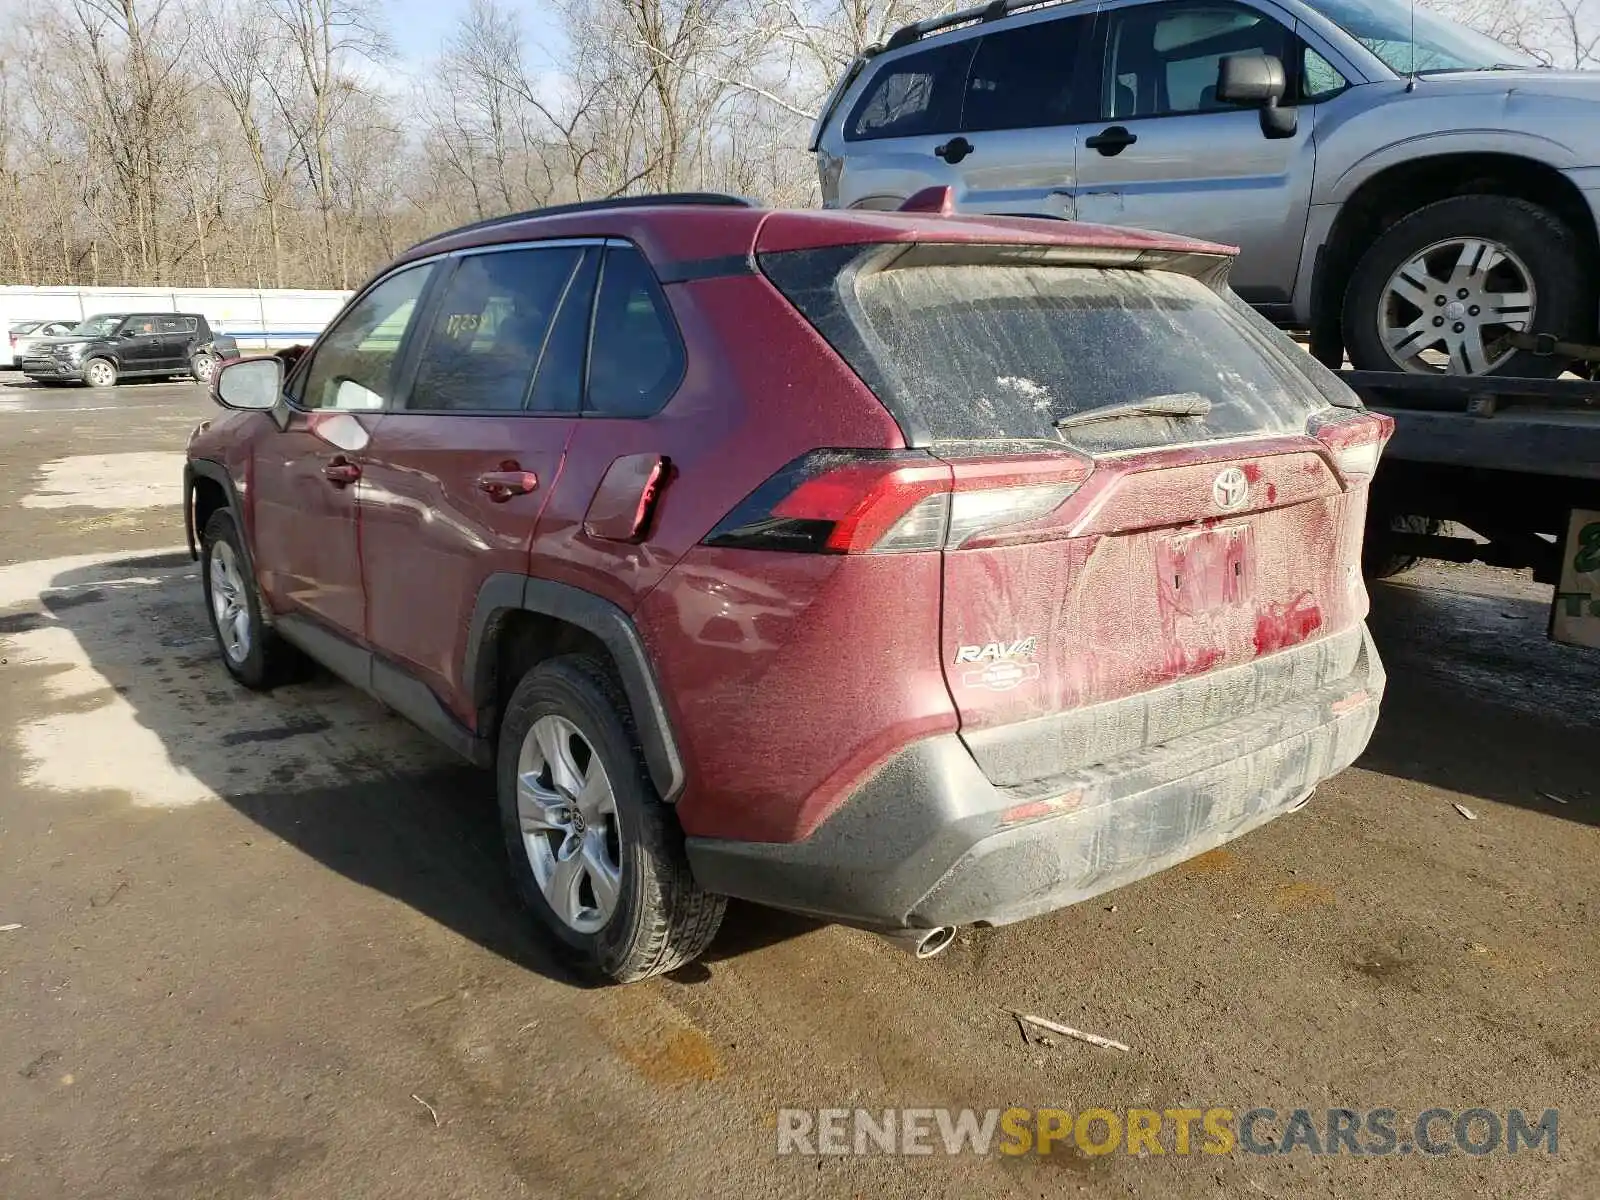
(935, 941)
(920, 943)
(1301, 802)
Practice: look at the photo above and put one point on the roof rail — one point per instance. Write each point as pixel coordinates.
(710, 199)
(981, 14)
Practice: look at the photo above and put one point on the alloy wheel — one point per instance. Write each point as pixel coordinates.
(101, 374)
(568, 815)
(229, 603)
(1447, 309)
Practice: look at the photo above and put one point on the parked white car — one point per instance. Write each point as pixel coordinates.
(23, 334)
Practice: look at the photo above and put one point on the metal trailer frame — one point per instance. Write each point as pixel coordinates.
(1509, 458)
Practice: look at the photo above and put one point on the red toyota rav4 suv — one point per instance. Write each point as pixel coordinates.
(903, 569)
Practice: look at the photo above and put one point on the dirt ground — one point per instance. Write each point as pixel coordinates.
(267, 946)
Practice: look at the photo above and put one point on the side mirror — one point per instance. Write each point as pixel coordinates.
(252, 384)
(1250, 79)
(1258, 79)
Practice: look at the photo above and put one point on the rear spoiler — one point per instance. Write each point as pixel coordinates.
(851, 74)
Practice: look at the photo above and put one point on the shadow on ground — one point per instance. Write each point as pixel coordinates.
(133, 698)
(1480, 701)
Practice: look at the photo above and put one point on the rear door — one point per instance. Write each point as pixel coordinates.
(459, 474)
(177, 336)
(597, 533)
(1168, 155)
(1020, 117)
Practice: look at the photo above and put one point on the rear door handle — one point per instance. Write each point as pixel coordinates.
(341, 472)
(1111, 141)
(511, 480)
(954, 150)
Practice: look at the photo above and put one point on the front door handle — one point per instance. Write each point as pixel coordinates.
(510, 480)
(341, 472)
(1112, 141)
(954, 150)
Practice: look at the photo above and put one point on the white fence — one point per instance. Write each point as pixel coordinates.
(258, 319)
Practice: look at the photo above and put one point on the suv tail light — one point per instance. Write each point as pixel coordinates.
(1355, 440)
(884, 502)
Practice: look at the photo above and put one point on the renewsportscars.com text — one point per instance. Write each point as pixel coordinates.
(1215, 1130)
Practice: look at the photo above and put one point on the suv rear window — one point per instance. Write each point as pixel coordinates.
(971, 351)
(914, 95)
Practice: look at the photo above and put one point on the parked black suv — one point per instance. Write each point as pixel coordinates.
(112, 346)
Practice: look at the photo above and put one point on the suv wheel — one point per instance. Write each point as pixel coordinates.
(252, 652)
(1438, 293)
(1378, 559)
(202, 367)
(100, 373)
(595, 854)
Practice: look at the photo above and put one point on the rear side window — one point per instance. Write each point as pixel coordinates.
(915, 95)
(558, 387)
(489, 328)
(983, 352)
(1022, 78)
(176, 325)
(635, 357)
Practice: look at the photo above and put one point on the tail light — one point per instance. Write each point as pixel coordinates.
(1355, 440)
(884, 502)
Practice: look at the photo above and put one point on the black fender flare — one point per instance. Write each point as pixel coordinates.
(205, 468)
(505, 592)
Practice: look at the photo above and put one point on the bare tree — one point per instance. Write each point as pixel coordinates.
(326, 39)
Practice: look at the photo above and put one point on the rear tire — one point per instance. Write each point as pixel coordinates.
(1380, 562)
(250, 649)
(202, 367)
(1532, 242)
(611, 885)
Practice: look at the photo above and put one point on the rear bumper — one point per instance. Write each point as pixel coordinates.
(927, 840)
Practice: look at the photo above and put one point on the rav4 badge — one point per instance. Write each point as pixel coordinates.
(1008, 664)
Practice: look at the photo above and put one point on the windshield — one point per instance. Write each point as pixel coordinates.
(1385, 27)
(98, 325)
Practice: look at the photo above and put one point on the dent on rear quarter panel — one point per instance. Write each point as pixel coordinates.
(789, 676)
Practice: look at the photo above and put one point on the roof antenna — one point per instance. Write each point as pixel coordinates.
(1411, 83)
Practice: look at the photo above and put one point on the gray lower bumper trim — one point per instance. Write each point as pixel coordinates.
(928, 840)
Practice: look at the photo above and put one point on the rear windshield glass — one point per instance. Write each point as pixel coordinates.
(983, 352)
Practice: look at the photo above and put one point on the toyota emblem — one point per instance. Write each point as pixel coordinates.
(1231, 489)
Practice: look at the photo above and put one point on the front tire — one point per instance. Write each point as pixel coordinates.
(594, 853)
(250, 649)
(100, 373)
(1437, 293)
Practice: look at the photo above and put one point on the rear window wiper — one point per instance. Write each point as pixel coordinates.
(1178, 404)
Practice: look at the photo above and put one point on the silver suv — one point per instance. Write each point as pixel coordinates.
(1410, 191)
